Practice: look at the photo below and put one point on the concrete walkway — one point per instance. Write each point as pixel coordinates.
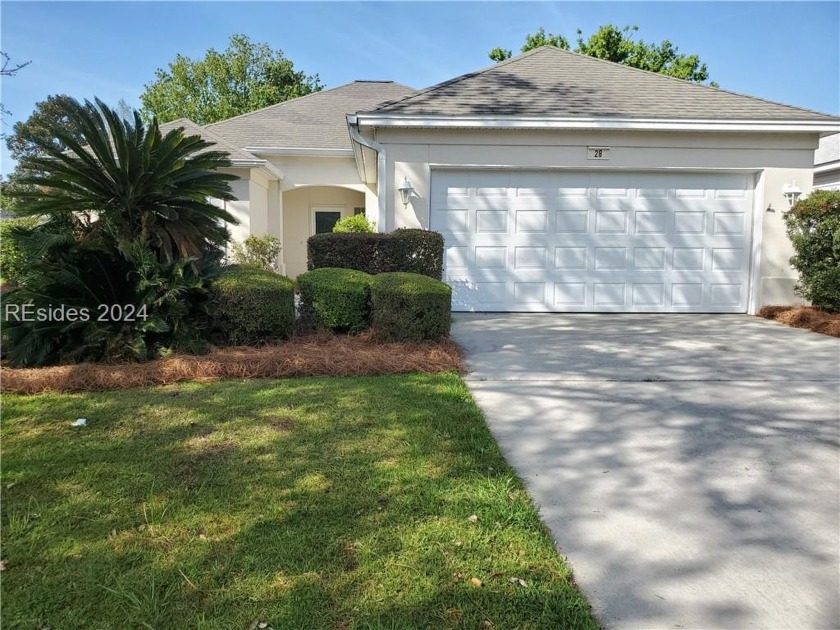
(687, 465)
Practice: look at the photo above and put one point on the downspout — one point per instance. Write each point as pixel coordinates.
(353, 126)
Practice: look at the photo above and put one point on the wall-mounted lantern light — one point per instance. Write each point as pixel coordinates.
(405, 189)
(792, 192)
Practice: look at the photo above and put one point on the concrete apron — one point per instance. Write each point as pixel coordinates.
(687, 465)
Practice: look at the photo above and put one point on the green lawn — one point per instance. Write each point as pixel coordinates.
(305, 503)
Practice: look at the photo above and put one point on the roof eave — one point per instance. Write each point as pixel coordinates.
(827, 166)
(301, 151)
(272, 171)
(375, 119)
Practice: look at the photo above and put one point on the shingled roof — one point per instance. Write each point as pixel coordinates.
(191, 129)
(313, 121)
(550, 82)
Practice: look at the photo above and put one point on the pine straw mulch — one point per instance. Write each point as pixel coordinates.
(324, 355)
(808, 317)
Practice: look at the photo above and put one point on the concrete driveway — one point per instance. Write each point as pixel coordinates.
(687, 465)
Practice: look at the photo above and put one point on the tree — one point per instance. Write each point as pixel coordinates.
(126, 222)
(614, 44)
(29, 135)
(245, 77)
(9, 69)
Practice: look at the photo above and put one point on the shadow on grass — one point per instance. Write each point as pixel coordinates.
(317, 503)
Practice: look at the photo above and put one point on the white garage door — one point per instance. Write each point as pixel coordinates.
(585, 241)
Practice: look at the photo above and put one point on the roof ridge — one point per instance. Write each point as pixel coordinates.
(562, 51)
(462, 77)
(208, 134)
(683, 81)
(300, 98)
(289, 100)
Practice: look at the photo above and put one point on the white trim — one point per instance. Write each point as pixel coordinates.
(301, 151)
(381, 174)
(827, 166)
(265, 165)
(661, 124)
(759, 211)
(591, 168)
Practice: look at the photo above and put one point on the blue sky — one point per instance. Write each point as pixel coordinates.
(783, 51)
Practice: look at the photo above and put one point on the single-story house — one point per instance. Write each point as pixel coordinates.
(827, 163)
(560, 182)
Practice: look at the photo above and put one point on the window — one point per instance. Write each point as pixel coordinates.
(325, 220)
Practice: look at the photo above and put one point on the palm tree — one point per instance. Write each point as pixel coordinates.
(126, 218)
(126, 181)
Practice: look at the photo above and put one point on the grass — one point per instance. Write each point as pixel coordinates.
(302, 503)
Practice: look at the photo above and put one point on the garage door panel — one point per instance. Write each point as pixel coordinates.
(548, 241)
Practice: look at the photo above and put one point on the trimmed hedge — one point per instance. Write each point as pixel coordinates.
(408, 250)
(251, 305)
(337, 299)
(410, 307)
(813, 225)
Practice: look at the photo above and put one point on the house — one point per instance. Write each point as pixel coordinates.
(827, 163)
(559, 181)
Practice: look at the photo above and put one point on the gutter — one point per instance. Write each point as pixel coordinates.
(355, 136)
(653, 124)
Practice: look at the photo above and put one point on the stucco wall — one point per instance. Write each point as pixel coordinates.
(775, 159)
(298, 218)
(317, 171)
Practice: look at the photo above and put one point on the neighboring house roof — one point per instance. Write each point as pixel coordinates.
(550, 82)
(192, 129)
(828, 151)
(315, 121)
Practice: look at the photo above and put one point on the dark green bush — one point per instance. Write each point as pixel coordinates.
(813, 225)
(337, 299)
(251, 305)
(126, 243)
(410, 307)
(15, 255)
(409, 250)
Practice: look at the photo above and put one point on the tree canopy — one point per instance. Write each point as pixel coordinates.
(244, 77)
(616, 44)
(28, 136)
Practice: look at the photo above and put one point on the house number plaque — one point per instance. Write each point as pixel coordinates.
(597, 153)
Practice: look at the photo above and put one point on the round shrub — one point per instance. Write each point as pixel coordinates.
(410, 307)
(250, 305)
(813, 225)
(336, 299)
(356, 223)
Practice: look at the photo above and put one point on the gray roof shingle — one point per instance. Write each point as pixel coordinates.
(550, 82)
(313, 121)
(192, 129)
